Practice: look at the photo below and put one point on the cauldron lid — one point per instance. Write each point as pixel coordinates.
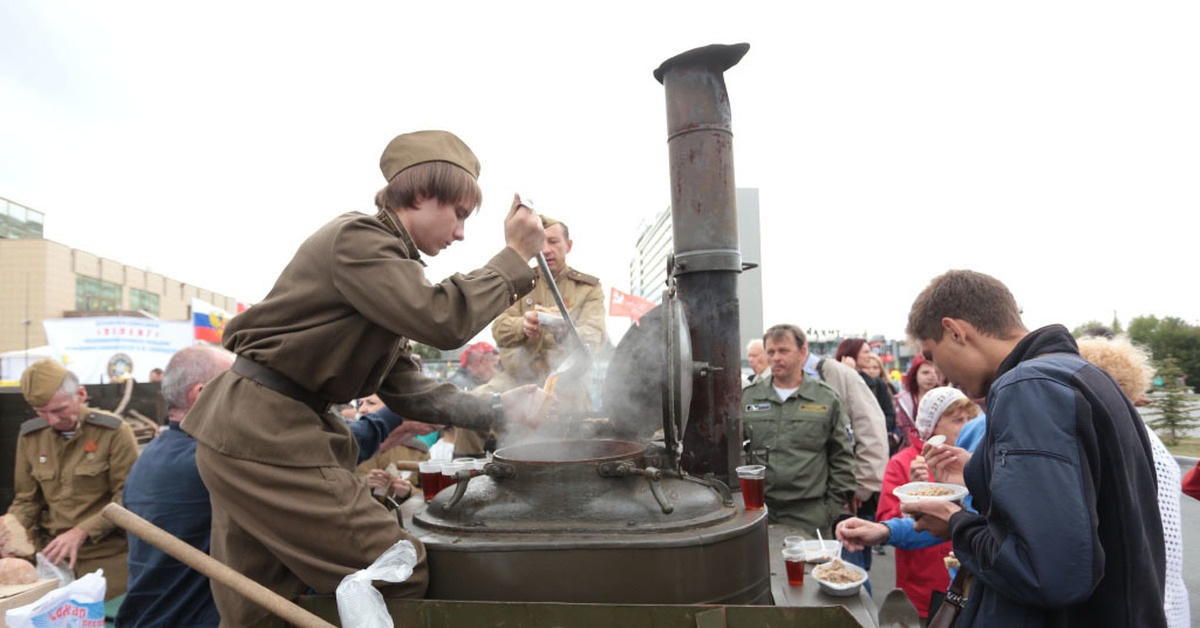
(646, 387)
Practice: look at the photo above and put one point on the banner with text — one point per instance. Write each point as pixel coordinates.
(105, 349)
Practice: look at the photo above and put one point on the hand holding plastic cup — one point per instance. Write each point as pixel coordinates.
(753, 479)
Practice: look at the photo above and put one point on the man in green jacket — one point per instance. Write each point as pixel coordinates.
(798, 428)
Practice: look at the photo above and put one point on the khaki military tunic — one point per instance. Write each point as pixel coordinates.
(61, 483)
(529, 360)
(287, 509)
(807, 445)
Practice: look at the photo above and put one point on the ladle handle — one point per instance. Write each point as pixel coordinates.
(562, 306)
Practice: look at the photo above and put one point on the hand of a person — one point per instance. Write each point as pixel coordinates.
(401, 488)
(523, 230)
(932, 516)
(857, 534)
(530, 325)
(378, 478)
(947, 463)
(406, 431)
(521, 404)
(919, 470)
(65, 546)
(850, 362)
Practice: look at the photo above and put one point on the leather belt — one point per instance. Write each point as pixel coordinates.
(280, 383)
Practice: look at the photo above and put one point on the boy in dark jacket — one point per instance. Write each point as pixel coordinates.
(1069, 532)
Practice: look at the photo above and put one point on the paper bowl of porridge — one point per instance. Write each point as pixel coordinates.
(839, 578)
(920, 491)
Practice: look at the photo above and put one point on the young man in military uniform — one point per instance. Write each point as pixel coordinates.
(288, 511)
(71, 462)
(798, 429)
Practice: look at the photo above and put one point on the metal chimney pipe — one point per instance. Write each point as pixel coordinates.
(707, 259)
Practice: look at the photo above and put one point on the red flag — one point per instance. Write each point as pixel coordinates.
(624, 304)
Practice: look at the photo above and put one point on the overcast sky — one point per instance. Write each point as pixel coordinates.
(1053, 145)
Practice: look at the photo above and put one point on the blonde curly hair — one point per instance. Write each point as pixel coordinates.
(1129, 364)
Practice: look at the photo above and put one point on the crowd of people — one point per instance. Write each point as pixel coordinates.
(1071, 518)
(1071, 514)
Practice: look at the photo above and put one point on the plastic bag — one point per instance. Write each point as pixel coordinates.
(359, 603)
(80, 603)
(47, 569)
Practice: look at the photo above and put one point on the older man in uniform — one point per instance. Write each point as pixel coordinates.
(71, 462)
(797, 428)
(530, 351)
(287, 509)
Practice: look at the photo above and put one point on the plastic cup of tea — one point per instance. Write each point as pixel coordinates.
(793, 541)
(449, 471)
(793, 560)
(753, 479)
(430, 472)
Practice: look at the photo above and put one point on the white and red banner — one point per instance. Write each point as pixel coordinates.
(105, 349)
(625, 304)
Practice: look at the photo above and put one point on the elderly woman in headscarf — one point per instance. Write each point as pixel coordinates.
(922, 377)
(920, 569)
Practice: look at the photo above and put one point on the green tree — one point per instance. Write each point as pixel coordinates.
(1082, 330)
(1170, 338)
(1173, 415)
(1116, 324)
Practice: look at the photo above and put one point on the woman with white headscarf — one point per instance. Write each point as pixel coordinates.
(921, 572)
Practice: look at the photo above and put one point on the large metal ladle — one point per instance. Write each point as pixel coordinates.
(580, 357)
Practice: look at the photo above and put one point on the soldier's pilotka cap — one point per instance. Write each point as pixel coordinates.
(421, 147)
(41, 380)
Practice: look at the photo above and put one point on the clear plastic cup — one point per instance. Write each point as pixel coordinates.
(754, 480)
(793, 541)
(430, 472)
(793, 560)
(449, 472)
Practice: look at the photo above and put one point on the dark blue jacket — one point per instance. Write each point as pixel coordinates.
(1070, 533)
(164, 488)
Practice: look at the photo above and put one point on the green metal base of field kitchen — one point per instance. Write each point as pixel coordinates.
(425, 613)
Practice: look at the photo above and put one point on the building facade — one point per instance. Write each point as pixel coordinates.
(656, 242)
(42, 279)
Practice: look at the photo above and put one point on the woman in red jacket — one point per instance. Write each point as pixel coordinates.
(1191, 482)
(922, 377)
(921, 572)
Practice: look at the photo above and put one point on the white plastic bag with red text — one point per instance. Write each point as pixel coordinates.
(80, 603)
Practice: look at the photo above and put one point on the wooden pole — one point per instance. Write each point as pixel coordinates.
(212, 568)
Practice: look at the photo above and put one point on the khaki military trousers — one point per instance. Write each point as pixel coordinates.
(292, 529)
